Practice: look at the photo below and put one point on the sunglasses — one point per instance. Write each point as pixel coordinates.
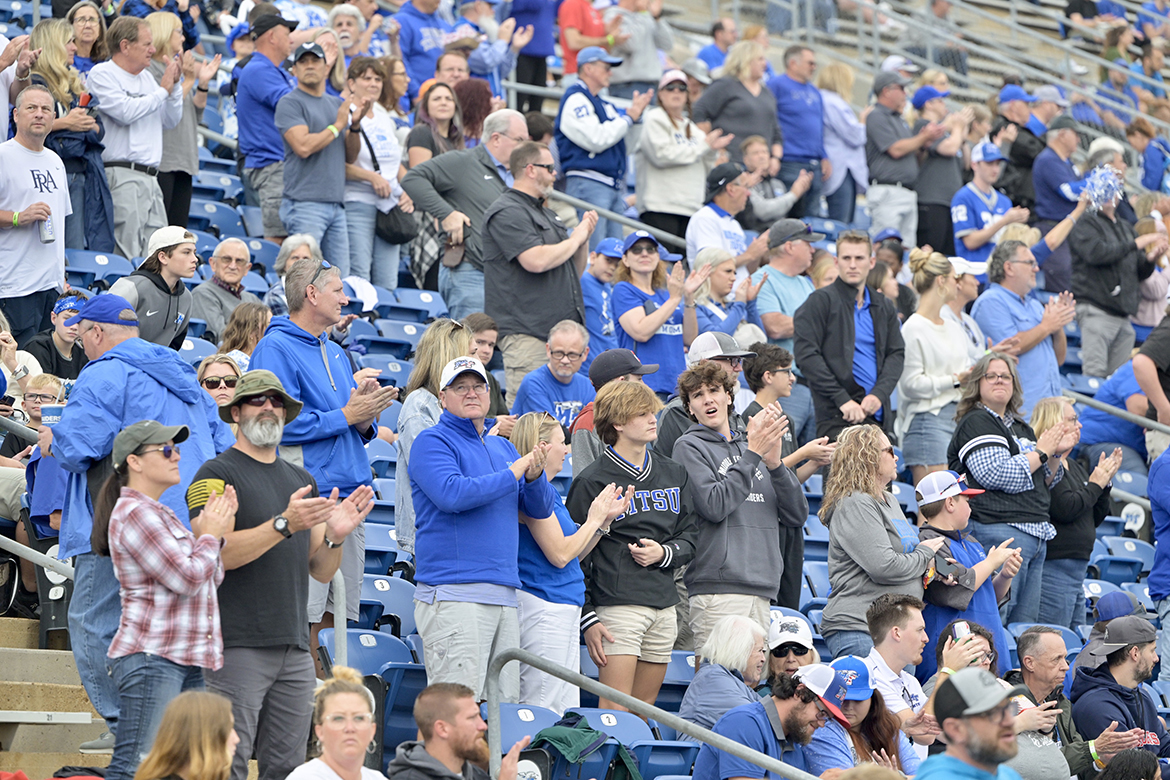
(320, 269)
(167, 450)
(789, 647)
(643, 249)
(213, 382)
(259, 400)
(674, 86)
(547, 166)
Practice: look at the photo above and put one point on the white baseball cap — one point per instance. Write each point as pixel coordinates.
(788, 628)
(964, 266)
(461, 365)
(943, 484)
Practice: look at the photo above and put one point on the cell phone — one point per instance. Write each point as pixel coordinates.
(7, 401)
(944, 567)
(649, 307)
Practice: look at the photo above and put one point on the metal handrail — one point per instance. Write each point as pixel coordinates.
(39, 558)
(636, 706)
(1124, 414)
(340, 626)
(18, 430)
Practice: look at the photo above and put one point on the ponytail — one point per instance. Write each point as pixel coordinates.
(103, 507)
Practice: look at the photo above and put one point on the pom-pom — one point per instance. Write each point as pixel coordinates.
(1103, 186)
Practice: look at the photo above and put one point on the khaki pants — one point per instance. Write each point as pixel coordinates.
(138, 210)
(707, 609)
(523, 354)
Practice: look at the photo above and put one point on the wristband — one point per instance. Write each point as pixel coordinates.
(201, 89)
(333, 129)
(15, 217)
(609, 40)
(1093, 750)
(948, 671)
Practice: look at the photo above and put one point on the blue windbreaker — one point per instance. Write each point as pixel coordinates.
(316, 372)
(134, 381)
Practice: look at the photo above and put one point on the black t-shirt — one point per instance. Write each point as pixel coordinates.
(12, 446)
(262, 603)
(51, 360)
(1157, 348)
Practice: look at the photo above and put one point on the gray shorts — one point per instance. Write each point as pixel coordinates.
(269, 185)
(460, 639)
(353, 568)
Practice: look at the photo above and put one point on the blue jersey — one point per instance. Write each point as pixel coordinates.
(665, 347)
(972, 211)
(598, 298)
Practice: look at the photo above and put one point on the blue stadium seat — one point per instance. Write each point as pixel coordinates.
(1131, 482)
(389, 417)
(589, 669)
(404, 682)
(264, 255)
(194, 350)
(814, 486)
(679, 673)
(205, 243)
(816, 540)
(83, 268)
(393, 369)
(1131, 548)
(1095, 589)
(221, 216)
(390, 307)
(368, 650)
(814, 617)
(230, 186)
(415, 643)
(196, 328)
(382, 457)
(1117, 569)
(817, 574)
(1072, 361)
(255, 284)
(1111, 526)
(905, 495)
(381, 546)
(369, 615)
(383, 345)
(253, 220)
(830, 227)
(1072, 332)
(384, 487)
(431, 302)
(400, 330)
(396, 595)
(1079, 383)
(1142, 591)
(522, 720)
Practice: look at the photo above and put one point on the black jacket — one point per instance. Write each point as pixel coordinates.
(1015, 180)
(1107, 266)
(1078, 507)
(824, 349)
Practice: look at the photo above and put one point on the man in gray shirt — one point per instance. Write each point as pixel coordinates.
(216, 299)
(891, 150)
(312, 124)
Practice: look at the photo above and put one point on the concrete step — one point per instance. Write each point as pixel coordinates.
(45, 697)
(20, 633)
(39, 666)
(56, 738)
(42, 765)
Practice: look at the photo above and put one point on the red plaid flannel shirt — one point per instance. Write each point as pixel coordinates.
(169, 579)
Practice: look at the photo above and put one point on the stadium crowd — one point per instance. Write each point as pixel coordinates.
(835, 467)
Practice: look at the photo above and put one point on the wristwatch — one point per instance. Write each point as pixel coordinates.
(280, 523)
(1043, 456)
(332, 545)
(20, 373)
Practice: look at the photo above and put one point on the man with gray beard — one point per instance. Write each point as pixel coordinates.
(284, 532)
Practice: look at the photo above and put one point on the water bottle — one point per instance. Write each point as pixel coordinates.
(47, 234)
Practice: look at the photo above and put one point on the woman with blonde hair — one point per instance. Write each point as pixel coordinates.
(243, 331)
(552, 585)
(844, 141)
(180, 158)
(343, 723)
(334, 63)
(442, 341)
(76, 135)
(740, 104)
(873, 548)
(218, 375)
(824, 269)
(936, 365)
(711, 307)
(759, 34)
(196, 740)
(1152, 290)
(89, 25)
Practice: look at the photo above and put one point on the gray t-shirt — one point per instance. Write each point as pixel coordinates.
(319, 177)
(181, 143)
(729, 106)
(884, 128)
(939, 176)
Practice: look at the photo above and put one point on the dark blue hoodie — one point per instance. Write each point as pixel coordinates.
(316, 372)
(1098, 700)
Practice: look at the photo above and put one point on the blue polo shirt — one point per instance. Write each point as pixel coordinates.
(1137, 68)
(757, 726)
(1099, 427)
(865, 370)
(1150, 14)
(713, 56)
(800, 111)
(1001, 314)
(598, 298)
(1053, 178)
(781, 294)
(262, 85)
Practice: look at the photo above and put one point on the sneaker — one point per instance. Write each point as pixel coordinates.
(103, 744)
(27, 604)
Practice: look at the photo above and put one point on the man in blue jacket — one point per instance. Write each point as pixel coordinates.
(467, 490)
(126, 380)
(339, 416)
(1111, 695)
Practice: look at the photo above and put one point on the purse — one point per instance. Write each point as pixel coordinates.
(394, 226)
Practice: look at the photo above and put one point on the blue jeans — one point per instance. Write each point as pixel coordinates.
(94, 613)
(146, 685)
(370, 257)
(1024, 604)
(324, 222)
(462, 289)
(809, 204)
(841, 643)
(602, 196)
(842, 202)
(802, 417)
(75, 222)
(1062, 599)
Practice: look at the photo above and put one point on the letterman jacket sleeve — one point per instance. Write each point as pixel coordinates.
(581, 125)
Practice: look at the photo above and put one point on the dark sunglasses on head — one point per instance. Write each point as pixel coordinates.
(258, 400)
(789, 647)
(213, 382)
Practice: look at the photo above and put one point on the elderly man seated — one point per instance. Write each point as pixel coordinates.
(216, 299)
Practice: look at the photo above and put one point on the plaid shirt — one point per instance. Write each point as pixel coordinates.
(169, 579)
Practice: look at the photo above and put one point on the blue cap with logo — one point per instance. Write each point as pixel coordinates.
(855, 673)
(610, 247)
(986, 152)
(1015, 92)
(596, 54)
(925, 93)
(641, 235)
(105, 308)
(887, 234)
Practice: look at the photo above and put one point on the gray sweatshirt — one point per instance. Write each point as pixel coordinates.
(413, 762)
(866, 559)
(420, 411)
(741, 505)
(214, 305)
(639, 52)
(162, 312)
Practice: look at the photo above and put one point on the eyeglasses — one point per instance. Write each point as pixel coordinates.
(888, 450)
(320, 269)
(988, 657)
(559, 355)
(790, 371)
(38, 398)
(232, 260)
(789, 647)
(1031, 263)
(734, 362)
(213, 382)
(397, 74)
(339, 721)
(478, 388)
(519, 141)
(996, 715)
(85, 22)
(643, 249)
(674, 86)
(167, 450)
(547, 166)
(259, 400)
(996, 379)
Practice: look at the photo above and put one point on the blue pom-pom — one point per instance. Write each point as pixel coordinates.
(1103, 186)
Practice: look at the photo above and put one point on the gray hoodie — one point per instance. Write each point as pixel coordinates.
(413, 762)
(162, 313)
(741, 507)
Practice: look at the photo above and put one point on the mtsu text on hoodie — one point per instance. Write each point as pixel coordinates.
(315, 371)
(741, 505)
(661, 510)
(465, 505)
(1098, 700)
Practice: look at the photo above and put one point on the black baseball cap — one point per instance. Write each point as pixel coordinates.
(971, 691)
(612, 363)
(309, 47)
(720, 176)
(1062, 122)
(268, 21)
(785, 230)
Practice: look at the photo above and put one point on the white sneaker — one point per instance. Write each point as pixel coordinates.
(103, 744)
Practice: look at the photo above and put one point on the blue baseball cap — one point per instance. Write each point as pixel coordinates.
(986, 152)
(667, 255)
(596, 54)
(105, 308)
(858, 684)
(610, 247)
(887, 233)
(240, 29)
(641, 235)
(1015, 92)
(925, 93)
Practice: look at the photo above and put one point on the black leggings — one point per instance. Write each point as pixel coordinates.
(176, 191)
(530, 70)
